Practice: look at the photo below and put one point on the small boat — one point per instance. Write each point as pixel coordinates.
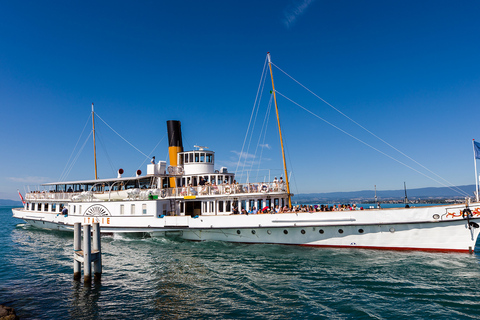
(191, 199)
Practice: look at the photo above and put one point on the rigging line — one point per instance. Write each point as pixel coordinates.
(263, 133)
(76, 157)
(76, 144)
(373, 134)
(361, 141)
(259, 91)
(102, 145)
(150, 154)
(121, 136)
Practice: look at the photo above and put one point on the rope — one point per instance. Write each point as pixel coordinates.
(121, 136)
(62, 176)
(370, 146)
(388, 144)
(258, 97)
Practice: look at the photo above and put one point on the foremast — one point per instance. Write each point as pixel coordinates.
(279, 131)
(94, 147)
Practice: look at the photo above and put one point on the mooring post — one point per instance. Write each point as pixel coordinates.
(87, 254)
(77, 247)
(97, 251)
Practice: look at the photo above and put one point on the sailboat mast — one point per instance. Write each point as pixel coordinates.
(280, 132)
(94, 147)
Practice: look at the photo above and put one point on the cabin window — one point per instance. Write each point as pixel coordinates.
(80, 209)
(186, 157)
(259, 204)
(268, 203)
(220, 206)
(191, 157)
(144, 208)
(202, 157)
(211, 206)
(209, 157)
(220, 179)
(74, 209)
(54, 207)
(243, 205)
(165, 209)
(132, 209)
(196, 157)
(251, 204)
(122, 209)
(181, 207)
(228, 206)
(276, 202)
(45, 207)
(205, 207)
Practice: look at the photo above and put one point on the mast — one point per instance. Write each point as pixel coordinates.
(94, 147)
(280, 132)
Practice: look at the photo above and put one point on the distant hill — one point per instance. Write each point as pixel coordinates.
(10, 203)
(369, 195)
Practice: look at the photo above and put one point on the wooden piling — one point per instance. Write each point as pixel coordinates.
(77, 248)
(87, 254)
(97, 251)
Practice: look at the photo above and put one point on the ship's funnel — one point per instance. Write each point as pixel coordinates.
(174, 144)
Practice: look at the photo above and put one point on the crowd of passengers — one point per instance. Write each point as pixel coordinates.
(299, 208)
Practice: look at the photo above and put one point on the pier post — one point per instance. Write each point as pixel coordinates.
(77, 247)
(87, 254)
(97, 252)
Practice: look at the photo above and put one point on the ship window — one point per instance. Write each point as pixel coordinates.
(259, 204)
(122, 209)
(251, 204)
(165, 209)
(186, 157)
(211, 206)
(54, 207)
(212, 179)
(205, 207)
(144, 208)
(80, 209)
(276, 202)
(46, 207)
(268, 203)
(196, 157)
(202, 157)
(228, 207)
(220, 206)
(220, 179)
(181, 207)
(132, 209)
(209, 157)
(243, 205)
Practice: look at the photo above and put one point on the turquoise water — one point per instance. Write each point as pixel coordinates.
(175, 279)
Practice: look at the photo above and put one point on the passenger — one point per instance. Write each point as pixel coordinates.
(65, 211)
(254, 211)
(153, 160)
(235, 210)
(244, 211)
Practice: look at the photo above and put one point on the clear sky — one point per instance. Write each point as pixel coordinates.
(408, 71)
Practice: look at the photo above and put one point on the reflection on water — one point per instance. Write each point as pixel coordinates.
(156, 278)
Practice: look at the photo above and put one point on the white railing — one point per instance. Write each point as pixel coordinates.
(205, 190)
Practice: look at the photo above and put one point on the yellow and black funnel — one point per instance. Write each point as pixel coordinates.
(174, 144)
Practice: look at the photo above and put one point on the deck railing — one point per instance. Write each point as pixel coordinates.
(186, 191)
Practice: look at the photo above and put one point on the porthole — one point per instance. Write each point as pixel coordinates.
(321, 231)
(238, 232)
(285, 231)
(360, 231)
(340, 230)
(303, 231)
(253, 232)
(436, 216)
(269, 232)
(392, 229)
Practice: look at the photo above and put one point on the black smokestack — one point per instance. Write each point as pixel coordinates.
(174, 133)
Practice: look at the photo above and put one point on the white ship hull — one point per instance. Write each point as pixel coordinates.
(438, 228)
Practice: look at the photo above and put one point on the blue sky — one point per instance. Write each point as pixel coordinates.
(407, 71)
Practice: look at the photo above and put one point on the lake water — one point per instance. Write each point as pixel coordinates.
(157, 278)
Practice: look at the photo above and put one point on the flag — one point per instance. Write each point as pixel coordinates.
(23, 201)
(476, 147)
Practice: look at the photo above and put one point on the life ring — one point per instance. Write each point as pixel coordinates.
(163, 193)
(264, 188)
(467, 213)
(228, 190)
